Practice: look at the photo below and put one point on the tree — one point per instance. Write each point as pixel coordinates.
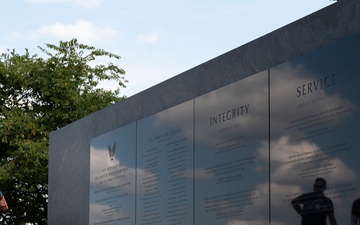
(39, 95)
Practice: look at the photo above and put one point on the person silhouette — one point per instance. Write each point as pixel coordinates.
(355, 212)
(315, 207)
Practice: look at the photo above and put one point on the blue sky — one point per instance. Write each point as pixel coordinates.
(156, 39)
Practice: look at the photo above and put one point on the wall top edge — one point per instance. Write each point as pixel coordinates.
(329, 24)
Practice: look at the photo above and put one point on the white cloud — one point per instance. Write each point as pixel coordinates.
(285, 172)
(84, 31)
(149, 38)
(285, 108)
(81, 3)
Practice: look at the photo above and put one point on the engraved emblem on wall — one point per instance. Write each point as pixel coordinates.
(112, 177)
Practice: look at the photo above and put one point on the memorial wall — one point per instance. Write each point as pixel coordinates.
(225, 158)
(246, 152)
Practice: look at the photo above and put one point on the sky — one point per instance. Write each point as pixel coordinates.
(156, 39)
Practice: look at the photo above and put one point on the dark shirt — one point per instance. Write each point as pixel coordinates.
(355, 210)
(315, 208)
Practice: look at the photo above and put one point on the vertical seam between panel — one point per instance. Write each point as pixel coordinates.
(269, 161)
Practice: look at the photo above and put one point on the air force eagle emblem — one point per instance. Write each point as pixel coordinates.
(112, 151)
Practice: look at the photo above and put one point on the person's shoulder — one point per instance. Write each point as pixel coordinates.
(357, 202)
(327, 199)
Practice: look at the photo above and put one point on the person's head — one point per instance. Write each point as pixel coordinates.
(319, 185)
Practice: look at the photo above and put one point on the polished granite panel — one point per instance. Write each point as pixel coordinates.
(231, 159)
(112, 176)
(70, 146)
(314, 133)
(315, 117)
(69, 173)
(165, 154)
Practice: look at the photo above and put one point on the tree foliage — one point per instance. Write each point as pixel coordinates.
(39, 95)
